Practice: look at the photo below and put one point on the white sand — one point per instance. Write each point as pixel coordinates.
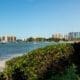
(2, 62)
(2, 65)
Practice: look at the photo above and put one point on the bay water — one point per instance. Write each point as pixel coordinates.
(10, 50)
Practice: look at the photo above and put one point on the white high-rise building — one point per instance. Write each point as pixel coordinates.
(7, 39)
(57, 35)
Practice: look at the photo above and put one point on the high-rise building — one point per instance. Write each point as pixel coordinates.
(7, 39)
(65, 37)
(74, 35)
(57, 35)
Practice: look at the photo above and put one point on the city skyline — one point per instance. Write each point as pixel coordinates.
(55, 35)
(32, 18)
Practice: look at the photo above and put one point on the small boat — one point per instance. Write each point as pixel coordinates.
(3, 42)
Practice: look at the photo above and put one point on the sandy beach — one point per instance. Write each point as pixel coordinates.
(2, 65)
(3, 61)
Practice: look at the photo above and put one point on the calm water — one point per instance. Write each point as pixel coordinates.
(14, 49)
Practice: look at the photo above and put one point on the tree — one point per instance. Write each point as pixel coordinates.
(31, 39)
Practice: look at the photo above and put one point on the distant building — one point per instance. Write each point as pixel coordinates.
(66, 37)
(7, 39)
(74, 35)
(57, 35)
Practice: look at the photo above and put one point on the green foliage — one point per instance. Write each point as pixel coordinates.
(38, 64)
(68, 74)
(53, 39)
(75, 58)
(41, 39)
(30, 39)
(38, 39)
(2, 76)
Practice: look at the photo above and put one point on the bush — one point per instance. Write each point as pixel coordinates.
(2, 76)
(75, 57)
(68, 74)
(38, 64)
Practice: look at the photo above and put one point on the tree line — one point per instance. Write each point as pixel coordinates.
(40, 39)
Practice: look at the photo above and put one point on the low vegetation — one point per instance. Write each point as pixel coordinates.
(55, 62)
(40, 39)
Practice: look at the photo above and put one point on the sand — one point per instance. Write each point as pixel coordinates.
(3, 61)
(2, 65)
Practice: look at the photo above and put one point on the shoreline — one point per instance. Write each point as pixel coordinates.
(2, 65)
(3, 61)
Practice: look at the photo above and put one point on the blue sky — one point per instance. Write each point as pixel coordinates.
(25, 18)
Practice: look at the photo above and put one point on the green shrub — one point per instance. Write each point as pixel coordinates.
(68, 74)
(38, 64)
(2, 76)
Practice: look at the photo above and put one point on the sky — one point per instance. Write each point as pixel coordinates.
(33, 18)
